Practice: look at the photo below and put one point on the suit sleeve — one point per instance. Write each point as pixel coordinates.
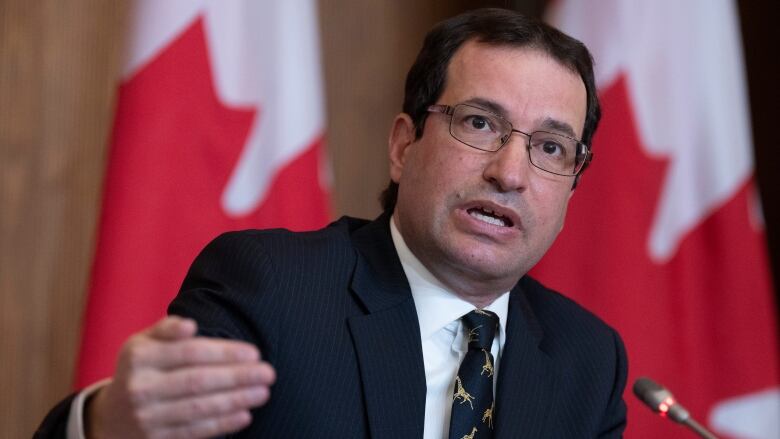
(55, 424)
(227, 287)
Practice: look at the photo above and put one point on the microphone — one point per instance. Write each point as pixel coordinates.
(661, 401)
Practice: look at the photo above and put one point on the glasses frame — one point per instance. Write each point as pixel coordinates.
(449, 110)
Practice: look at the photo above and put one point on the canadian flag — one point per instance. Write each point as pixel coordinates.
(219, 125)
(664, 237)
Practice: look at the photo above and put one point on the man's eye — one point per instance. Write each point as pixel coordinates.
(478, 123)
(552, 148)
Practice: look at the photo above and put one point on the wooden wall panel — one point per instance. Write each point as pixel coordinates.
(56, 63)
(368, 48)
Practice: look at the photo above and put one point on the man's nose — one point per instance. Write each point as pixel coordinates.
(509, 167)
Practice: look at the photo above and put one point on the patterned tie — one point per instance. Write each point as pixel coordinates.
(472, 401)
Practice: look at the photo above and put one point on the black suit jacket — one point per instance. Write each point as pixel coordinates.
(333, 312)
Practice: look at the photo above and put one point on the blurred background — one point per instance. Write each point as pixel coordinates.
(59, 67)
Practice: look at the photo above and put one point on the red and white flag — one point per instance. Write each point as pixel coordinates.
(219, 126)
(664, 238)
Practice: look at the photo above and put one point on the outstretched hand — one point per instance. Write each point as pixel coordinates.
(171, 384)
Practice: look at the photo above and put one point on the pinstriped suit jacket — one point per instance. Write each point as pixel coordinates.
(333, 312)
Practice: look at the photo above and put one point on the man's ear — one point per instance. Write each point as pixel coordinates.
(401, 137)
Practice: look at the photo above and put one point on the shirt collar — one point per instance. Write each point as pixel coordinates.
(436, 305)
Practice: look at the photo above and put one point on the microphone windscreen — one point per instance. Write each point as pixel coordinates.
(650, 392)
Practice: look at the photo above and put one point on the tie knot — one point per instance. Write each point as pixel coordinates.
(481, 327)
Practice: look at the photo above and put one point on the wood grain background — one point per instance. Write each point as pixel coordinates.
(59, 61)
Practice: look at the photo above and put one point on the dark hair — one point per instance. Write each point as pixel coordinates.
(501, 27)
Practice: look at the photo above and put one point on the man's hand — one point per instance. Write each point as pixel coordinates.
(171, 384)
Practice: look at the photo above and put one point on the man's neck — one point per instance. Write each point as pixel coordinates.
(479, 294)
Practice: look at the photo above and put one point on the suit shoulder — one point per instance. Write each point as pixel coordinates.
(558, 314)
(340, 229)
(284, 246)
(250, 259)
(241, 279)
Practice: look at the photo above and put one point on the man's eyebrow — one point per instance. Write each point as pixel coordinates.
(548, 123)
(487, 104)
(558, 126)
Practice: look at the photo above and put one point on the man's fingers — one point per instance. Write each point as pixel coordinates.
(140, 352)
(203, 351)
(205, 428)
(173, 328)
(199, 380)
(171, 383)
(217, 378)
(187, 410)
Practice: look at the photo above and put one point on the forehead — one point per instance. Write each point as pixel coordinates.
(531, 87)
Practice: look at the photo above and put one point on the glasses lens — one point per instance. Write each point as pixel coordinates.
(478, 128)
(556, 153)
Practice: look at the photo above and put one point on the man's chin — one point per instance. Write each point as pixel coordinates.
(490, 270)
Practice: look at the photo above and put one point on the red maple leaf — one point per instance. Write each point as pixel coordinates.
(174, 147)
(688, 321)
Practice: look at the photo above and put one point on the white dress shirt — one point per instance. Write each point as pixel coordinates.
(443, 336)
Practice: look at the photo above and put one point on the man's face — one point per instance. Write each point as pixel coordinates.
(447, 189)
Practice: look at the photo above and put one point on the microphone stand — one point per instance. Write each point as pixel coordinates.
(698, 428)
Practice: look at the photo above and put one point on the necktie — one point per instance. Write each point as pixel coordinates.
(472, 399)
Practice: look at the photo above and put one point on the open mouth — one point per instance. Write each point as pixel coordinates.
(487, 215)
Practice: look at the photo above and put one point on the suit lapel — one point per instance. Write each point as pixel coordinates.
(387, 337)
(526, 375)
(389, 351)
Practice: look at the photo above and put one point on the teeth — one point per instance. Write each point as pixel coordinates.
(486, 218)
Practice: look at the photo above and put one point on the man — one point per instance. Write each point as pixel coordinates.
(367, 329)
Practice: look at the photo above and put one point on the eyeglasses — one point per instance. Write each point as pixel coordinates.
(484, 130)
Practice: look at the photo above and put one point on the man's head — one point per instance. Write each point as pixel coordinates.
(500, 27)
(479, 220)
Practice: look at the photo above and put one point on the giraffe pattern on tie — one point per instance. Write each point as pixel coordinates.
(460, 392)
(474, 380)
(473, 334)
(488, 416)
(470, 435)
(488, 367)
